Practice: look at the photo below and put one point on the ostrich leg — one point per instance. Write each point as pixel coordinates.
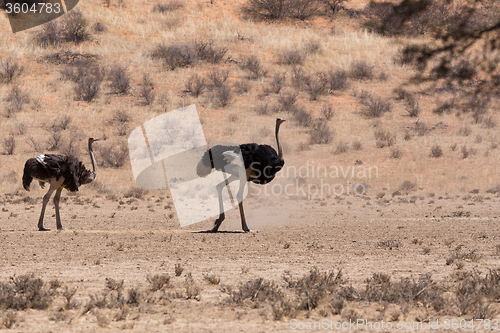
(219, 188)
(239, 197)
(54, 184)
(56, 205)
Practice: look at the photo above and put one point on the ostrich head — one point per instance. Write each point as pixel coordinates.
(92, 140)
(280, 121)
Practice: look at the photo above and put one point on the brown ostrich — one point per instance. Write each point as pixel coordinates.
(60, 172)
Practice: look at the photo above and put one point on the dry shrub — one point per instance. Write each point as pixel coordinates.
(401, 93)
(465, 152)
(16, 99)
(146, 90)
(412, 105)
(88, 88)
(211, 278)
(327, 111)
(50, 34)
(313, 287)
(463, 70)
(61, 123)
(262, 108)
(99, 27)
(113, 156)
(252, 64)
(302, 116)
(407, 186)
(384, 138)
(192, 289)
(257, 291)
(279, 9)
(75, 27)
(334, 5)
(217, 78)
(222, 94)
(356, 145)
(494, 189)
(158, 281)
(360, 70)
(299, 77)
(374, 107)
(242, 86)
(135, 192)
(420, 128)
(315, 87)
(478, 106)
(10, 70)
(342, 147)
(70, 148)
(291, 57)
(320, 133)
(287, 100)
(178, 269)
(464, 131)
(303, 9)
(207, 51)
(81, 68)
(175, 55)
(120, 80)
(195, 85)
(489, 122)
(276, 84)
(54, 141)
(445, 107)
(168, 7)
(9, 144)
(335, 80)
(396, 153)
(436, 151)
(113, 284)
(25, 292)
(312, 47)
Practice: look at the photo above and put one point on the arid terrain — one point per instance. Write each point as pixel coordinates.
(393, 194)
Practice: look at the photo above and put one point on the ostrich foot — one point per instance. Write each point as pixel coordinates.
(61, 228)
(254, 231)
(43, 229)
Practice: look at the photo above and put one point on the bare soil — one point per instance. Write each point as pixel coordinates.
(135, 238)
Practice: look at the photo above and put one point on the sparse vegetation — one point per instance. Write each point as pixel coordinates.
(10, 70)
(320, 132)
(436, 151)
(252, 64)
(120, 80)
(175, 55)
(360, 70)
(373, 107)
(384, 139)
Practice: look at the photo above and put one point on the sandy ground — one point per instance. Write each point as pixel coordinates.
(136, 238)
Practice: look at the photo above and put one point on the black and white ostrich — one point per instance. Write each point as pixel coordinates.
(261, 165)
(60, 172)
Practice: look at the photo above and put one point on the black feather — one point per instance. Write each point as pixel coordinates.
(261, 159)
(56, 166)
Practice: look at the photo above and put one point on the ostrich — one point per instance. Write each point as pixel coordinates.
(60, 172)
(261, 165)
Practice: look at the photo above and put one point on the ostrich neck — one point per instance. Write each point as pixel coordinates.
(280, 150)
(91, 152)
